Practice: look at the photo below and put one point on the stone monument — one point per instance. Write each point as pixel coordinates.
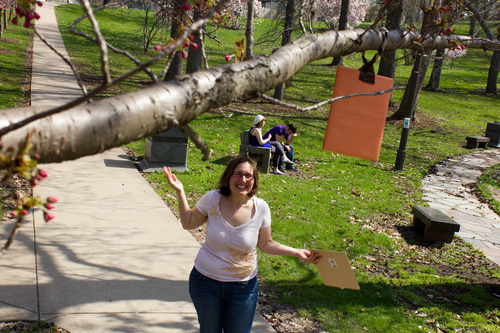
(165, 149)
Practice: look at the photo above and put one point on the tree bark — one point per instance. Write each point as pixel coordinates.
(434, 80)
(91, 128)
(344, 12)
(286, 39)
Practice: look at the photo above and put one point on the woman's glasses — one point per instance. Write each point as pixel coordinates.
(240, 175)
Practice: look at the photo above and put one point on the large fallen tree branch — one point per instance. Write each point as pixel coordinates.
(88, 129)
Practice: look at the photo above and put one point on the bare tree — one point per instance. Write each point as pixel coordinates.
(344, 12)
(286, 37)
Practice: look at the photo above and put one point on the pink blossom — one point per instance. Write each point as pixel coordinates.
(14, 213)
(42, 173)
(157, 47)
(52, 199)
(194, 46)
(48, 216)
(184, 55)
(40, 3)
(49, 206)
(191, 38)
(186, 7)
(186, 44)
(27, 24)
(24, 212)
(37, 16)
(15, 21)
(228, 57)
(19, 10)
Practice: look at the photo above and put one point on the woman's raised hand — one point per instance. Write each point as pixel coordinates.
(172, 180)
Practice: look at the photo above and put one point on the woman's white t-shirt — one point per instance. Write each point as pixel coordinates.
(229, 253)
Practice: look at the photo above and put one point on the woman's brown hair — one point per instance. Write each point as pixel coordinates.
(224, 188)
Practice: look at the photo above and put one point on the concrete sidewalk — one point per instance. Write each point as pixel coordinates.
(115, 259)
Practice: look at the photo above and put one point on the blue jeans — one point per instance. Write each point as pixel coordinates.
(288, 154)
(223, 306)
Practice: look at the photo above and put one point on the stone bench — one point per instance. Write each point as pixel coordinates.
(477, 142)
(261, 155)
(437, 225)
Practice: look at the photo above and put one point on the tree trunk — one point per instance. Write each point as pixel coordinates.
(91, 128)
(285, 39)
(472, 26)
(176, 66)
(301, 19)
(344, 12)
(434, 80)
(408, 105)
(491, 86)
(249, 28)
(1, 21)
(387, 66)
(195, 57)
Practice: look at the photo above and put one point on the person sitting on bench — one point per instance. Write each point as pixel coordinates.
(256, 139)
(284, 135)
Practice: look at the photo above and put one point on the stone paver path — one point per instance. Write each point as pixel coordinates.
(450, 189)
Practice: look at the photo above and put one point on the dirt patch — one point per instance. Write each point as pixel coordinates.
(8, 40)
(5, 51)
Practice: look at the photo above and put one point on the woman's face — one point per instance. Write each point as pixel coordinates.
(242, 180)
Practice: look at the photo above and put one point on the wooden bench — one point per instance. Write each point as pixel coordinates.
(477, 142)
(437, 225)
(261, 155)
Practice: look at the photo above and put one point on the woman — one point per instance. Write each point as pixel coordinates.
(276, 147)
(223, 283)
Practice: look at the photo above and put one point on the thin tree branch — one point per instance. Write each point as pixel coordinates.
(136, 61)
(200, 144)
(202, 45)
(100, 41)
(331, 100)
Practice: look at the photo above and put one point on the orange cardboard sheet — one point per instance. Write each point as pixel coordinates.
(356, 125)
(335, 270)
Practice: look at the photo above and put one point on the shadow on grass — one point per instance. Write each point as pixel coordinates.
(458, 298)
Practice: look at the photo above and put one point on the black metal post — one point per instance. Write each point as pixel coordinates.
(400, 158)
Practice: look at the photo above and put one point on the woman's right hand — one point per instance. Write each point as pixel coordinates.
(172, 180)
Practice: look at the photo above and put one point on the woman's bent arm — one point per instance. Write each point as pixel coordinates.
(190, 218)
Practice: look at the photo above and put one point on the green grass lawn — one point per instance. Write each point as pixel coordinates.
(13, 46)
(338, 202)
(489, 185)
